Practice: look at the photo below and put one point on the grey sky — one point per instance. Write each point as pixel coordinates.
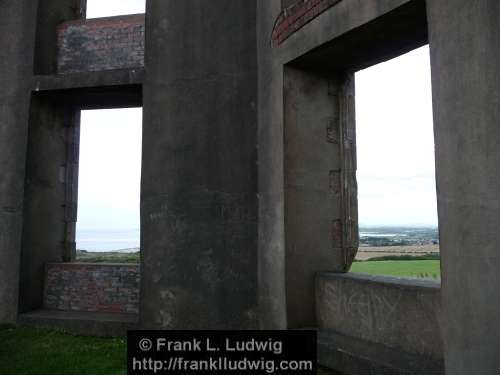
(107, 8)
(395, 142)
(110, 169)
(395, 146)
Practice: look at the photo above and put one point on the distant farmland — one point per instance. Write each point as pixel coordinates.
(366, 252)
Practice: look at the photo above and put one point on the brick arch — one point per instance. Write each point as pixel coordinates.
(296, 16)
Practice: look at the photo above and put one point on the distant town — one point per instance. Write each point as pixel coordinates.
(398, 236)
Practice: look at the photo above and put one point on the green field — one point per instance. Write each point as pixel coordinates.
(400, 268)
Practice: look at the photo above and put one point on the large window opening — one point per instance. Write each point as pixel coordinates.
(108, 219)
(110, 8)
(396, 179)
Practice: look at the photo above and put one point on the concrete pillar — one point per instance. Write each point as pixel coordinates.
(465, 55)
(272, 278)
(321, 229)
(49, 195)
(28, 30)
(17, 20)
(199, 171)
(51, 13)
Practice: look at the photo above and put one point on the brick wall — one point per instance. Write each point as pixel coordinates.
(295, 16)
(101, 44)
(92, 287)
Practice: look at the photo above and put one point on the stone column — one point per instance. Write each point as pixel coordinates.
(465, 55)
(17, 24)
(321, 229)
(199, 171)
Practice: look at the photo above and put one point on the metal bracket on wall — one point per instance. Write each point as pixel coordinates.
(72, 129)
(80, 9)
(341, 89)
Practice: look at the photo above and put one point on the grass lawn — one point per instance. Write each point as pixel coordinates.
(28, 351)
(399, 268)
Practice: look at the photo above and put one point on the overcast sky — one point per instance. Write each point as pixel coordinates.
(395, 142)
(395, 146)
(110, 169)
(107, 8)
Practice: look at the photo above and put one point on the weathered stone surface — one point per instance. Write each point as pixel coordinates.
(199, 174)
(47, 224)
(50, 14)
(17, 20)
(320, 218)
(464, 46)
(398, 313)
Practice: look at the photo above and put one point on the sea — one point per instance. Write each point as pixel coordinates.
(102, 240)
(128, 240)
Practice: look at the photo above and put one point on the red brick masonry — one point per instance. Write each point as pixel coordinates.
(294, 17)
(101, 44)
(92, 287)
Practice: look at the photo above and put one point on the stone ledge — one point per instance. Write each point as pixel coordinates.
(401, 314)
(389, 281)
(106, 78)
